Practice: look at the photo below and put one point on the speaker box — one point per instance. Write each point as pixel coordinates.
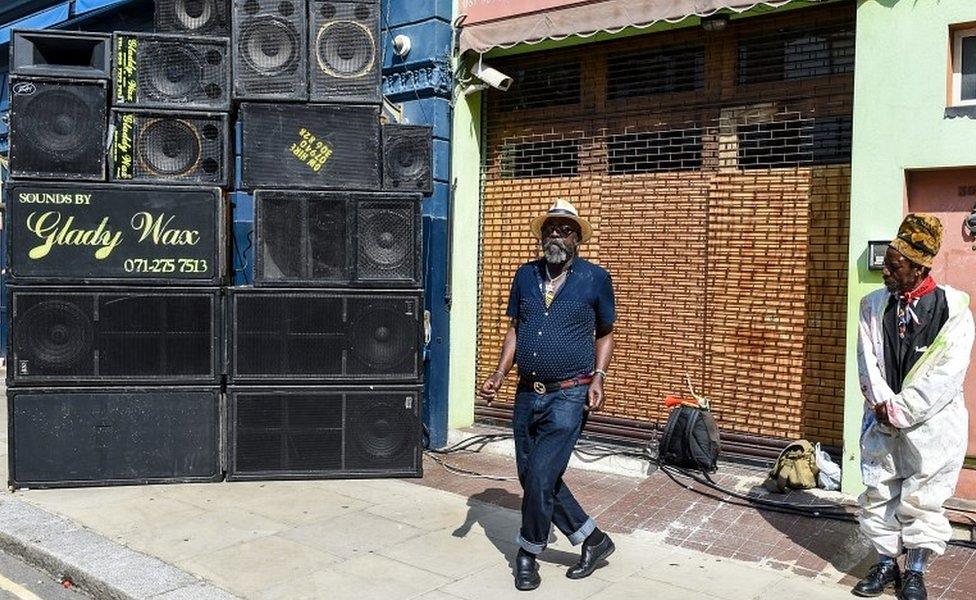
(72, 54)
(171, 71)
(324, 335)
(271, 54)
(104, 233)
(344, 58)
(310, 146)
(408, 151)
(62, 437)
(58, 128)
(337, 238)
(319, 432)
(195, 17)
(113, 335)
(169, 147)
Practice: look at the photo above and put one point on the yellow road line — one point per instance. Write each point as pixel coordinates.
(17, 590)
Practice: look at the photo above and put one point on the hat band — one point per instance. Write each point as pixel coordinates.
(558, 212)
(919, 247)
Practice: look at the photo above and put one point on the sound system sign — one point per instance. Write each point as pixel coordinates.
(91, 233)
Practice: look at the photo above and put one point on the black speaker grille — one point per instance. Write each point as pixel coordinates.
(337, 238)
(311, 146)
(324, 335)
(407, 157)
(344, 59)
(149, 335)
(198, 17)
(179, 148)
(277, 432)
(57, 129)
(101, 436)
(171, 71)
(324, 431)
(270, 58)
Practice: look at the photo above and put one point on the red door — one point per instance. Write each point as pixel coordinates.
(950, 194)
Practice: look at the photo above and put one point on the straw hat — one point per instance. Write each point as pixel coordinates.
(562, 209)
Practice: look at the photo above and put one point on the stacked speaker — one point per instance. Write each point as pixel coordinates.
(324, 351)
(118, 147)
(132, 360)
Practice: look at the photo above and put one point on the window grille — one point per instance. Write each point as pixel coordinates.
(665, 70)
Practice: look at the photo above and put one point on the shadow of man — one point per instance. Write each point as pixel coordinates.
(496, 511)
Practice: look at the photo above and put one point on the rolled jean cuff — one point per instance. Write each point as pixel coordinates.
(529, 546)
(583, 532)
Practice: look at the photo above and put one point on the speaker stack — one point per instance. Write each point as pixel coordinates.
(117, 252)
(131, 360)
(324, 351)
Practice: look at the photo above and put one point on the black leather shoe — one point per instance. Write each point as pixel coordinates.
(880, 577)
(914, 587)
(526, 571)
(590, 558)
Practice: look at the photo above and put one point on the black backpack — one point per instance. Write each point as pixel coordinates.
(691, 440)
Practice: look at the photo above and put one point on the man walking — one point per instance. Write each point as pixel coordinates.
(914, 344)
(561, 336)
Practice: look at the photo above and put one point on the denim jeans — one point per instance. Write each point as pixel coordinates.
(546, 428)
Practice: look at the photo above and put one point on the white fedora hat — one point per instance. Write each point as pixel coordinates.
(562, 209)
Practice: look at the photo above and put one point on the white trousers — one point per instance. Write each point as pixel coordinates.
(909, 474)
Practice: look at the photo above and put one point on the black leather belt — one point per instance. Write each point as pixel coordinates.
(544, 388)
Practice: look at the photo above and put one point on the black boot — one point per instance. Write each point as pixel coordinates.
(526, 571)
(596, 547)
(914, 587)
(881, 576)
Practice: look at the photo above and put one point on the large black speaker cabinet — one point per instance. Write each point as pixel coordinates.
(58, 128)
(270, 50)
(168, 147)
(73, 54)
(173, 71)
(324, 335)
(337, 238)
(74, 437)
(195, 17)
(408, 151)
(344, 58)
(311, 146)
(319, 432)
(64, 233)
(113, 335)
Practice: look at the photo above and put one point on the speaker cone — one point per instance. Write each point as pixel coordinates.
(61, 123)
(385, 239)
(57, 334)
(169, 147)
(193, 15)
(270, 46)
(174, 72)
(383, 431)
(405, 160)
(345, 49)
(382, 337)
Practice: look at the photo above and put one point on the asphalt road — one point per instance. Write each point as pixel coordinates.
(20, 581)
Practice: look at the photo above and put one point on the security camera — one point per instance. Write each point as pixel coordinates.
(492, 77)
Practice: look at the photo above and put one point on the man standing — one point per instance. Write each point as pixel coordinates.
(914, 344)
(561, 335)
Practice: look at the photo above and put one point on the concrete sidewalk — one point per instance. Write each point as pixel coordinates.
(382, 539)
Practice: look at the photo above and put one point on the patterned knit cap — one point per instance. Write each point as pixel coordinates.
(919, 238)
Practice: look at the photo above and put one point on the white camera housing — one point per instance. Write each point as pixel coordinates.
(492, 77)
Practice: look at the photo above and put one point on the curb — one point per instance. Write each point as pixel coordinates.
(99, 566)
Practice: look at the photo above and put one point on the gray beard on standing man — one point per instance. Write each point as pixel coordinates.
(555, 252)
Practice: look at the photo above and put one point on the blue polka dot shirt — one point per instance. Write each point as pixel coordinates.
(558, 342)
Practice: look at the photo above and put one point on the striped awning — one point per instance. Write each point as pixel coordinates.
(566, 18)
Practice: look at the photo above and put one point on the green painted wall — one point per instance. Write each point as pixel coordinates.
(900, 72)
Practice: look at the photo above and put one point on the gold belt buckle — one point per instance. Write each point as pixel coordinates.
(539, 387)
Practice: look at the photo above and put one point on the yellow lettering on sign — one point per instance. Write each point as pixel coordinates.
(49, 227)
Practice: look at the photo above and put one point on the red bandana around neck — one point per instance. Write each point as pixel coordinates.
(907, 300)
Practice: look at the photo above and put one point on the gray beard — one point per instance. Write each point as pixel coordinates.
(555, 252)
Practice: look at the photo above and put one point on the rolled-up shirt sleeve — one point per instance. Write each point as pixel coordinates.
(606, 307)
(514, 297)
